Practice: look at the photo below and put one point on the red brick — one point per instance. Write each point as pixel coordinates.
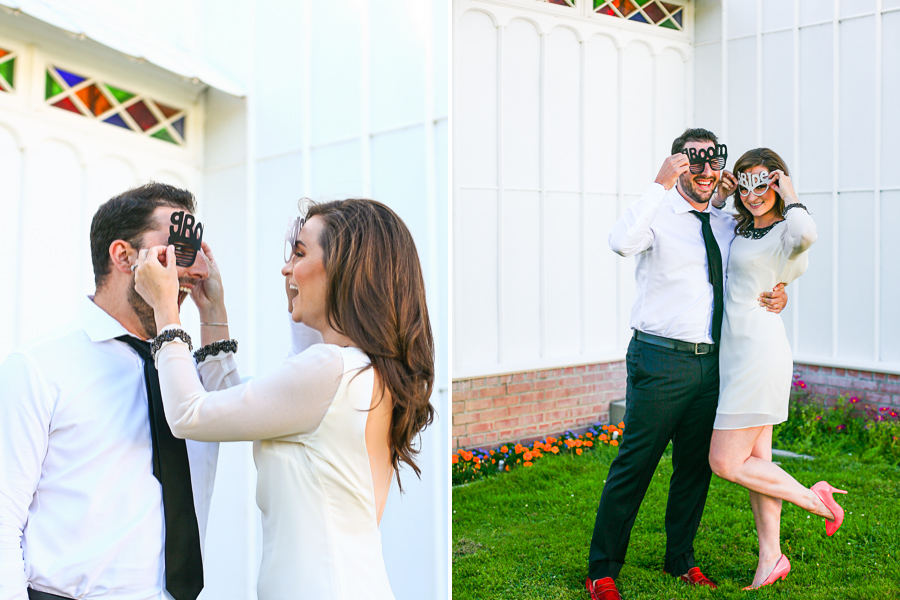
(504, 423)
(473, 405)
(534, 397)
(546, 384)
(458, 407)
(464, 418)
(458, 430)
(890, 388)
(506, 401)
(481, 427)
(478, 440)
(840, 372)
(495, 413)
(497, 390)
(463, 442)
(894, 378)
(879, 376)
(567, 402)
(517, 388)
(592, 377)
(521, 409)
(580, 369)
(870, 386)
(878, 398)
(570, 381)
(579, 390)
(464, 395)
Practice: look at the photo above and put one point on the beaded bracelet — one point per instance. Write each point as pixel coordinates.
(169, 335)
(790, 206)
(214, 349)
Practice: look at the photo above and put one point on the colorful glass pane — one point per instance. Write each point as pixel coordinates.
(142, 115)
(117, 119)
(655, 13)
(94, 99)
(70, 78)
(672, 8)
(167, 111)
(677, 16)
(179, 127)
(669, 24)
(8, 71)
(3, 52)
(52, 88)
(642, 2)
(626, 7)
(67, 104)
(560, 2)
(638, 17)
(606, 10)
(120, 95)
(163, 134)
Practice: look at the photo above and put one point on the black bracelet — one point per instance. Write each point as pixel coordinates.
(790, 206)
(169, 335)
(214, 349)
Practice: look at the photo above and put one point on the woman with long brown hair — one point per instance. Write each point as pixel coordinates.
(333, 423)
(774, 232)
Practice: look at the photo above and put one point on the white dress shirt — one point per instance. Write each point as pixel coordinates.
(81, 513)
(674, 298)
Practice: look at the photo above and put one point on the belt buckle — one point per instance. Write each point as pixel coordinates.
(697, 350)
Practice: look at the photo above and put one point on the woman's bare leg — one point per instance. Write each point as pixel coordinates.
(731, 457)
(766, 514)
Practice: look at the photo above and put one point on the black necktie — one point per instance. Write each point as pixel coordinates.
(184, 565)
(714, 264)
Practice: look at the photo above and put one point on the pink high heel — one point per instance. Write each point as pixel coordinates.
(826, 494)
(782, 568)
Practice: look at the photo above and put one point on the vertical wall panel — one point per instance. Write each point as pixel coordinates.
(636, 114)
(11, 190)
(59, 200)
(601, 124)
(708, 94)
(816, 306)
(777, 14)
(336, 73)
(890, 91)
(815, 11)
(477, 100)
(562, 265)
(521, 277)
(856, 325)
(401, 152)
(670, 112)
(852, 8)
(600, 213)
(816, 81)
(521, 108)
(475, 264)
(742, 103)
(563, 109)
(778, 96)
(857, 101)
(741, 17)
(889, 321)
(336, 171)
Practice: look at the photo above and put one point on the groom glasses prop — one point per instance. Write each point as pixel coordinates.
(757, 183)
(290, 237)
(185, 234)
(716, 156)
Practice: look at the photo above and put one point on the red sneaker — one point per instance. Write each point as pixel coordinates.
(602, 589)
(696, 577)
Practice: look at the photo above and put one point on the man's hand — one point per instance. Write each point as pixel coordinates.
(671, 170)
(774, 301)
(727, 185)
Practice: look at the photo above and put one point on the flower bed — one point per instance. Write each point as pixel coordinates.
(470, 465)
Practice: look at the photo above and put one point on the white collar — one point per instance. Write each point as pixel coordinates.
(98, 324)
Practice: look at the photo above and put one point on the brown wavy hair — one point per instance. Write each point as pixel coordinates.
(375, 295)
(753, 158)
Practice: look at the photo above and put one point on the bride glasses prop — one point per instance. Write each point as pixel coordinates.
(185, 234)
(290, 237)
(757, 183)
(716, 156)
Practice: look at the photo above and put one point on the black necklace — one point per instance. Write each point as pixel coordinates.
(753, 233)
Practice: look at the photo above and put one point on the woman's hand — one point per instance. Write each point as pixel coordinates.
(209, 294)
(782, 184)
(157, 283)
(726, 187)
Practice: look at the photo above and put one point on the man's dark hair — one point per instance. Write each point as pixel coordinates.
(128, 217)
(693, 135)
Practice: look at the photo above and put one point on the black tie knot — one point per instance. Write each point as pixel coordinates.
(140, 346)
(703, 216)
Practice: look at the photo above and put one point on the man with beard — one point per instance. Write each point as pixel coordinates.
(681, 245)
(88, 464)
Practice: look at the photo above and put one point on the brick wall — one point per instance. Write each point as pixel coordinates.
(877, 389)
(512, 408)
(488, 411)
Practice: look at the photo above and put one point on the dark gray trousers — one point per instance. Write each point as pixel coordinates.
(669, 396)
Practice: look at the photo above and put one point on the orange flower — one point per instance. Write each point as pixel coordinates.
(477, 466)
(455, 459)
(528, 456)
(589, 434)
(579, 443)
(493, 462)
(621, 424)
(614, 443)
(589, 444)
(551, 440)
(492, 452)
(477, 460)
(527, 464)
(578, 451)
(507, 467)
(603, 437)
(504, 449)
(605, 427)
(555, 450)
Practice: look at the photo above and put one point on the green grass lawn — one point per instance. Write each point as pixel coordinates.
(524, 535)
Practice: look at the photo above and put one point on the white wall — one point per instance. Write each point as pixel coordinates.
(817, 82)
(561, 120)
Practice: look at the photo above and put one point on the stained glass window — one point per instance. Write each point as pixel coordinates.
(88, 97)
(560, 2)
(652, 12)
(7, 70)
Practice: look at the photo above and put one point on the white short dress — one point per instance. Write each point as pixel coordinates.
(755, 360)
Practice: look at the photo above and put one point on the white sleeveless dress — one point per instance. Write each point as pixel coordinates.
(321, 539)
(755, 360)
